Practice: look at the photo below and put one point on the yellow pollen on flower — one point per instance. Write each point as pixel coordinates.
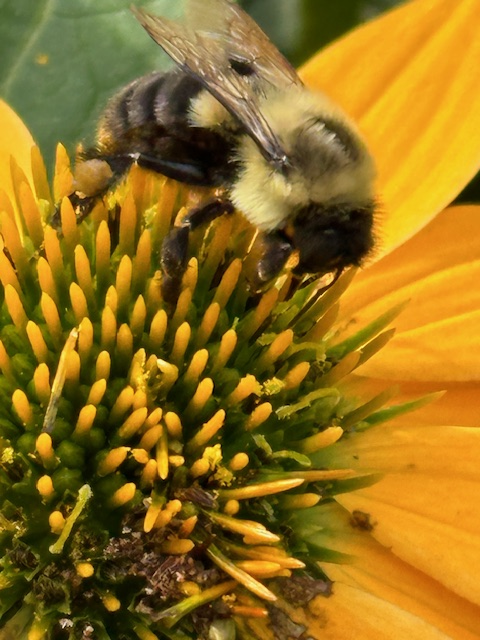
(227, 347)
(69, 226)
(183, 305)
(239, 461)
(63, 179)
(180, 343)
(45, 279)
(259, 568)
(163, 519)
(140, 455)
(15, 308)
(190, 588)
(56, 521)
(153, 418)
(38, 630)
(31, 214)
(102, 255)
(128, 221)
(170, 374)
(83, 272)
(123, 495)
(7, 273)
(258, 416)
(112, 461)
(248, 612)
(151, 437)
(85, 340)
(158, 328)
(296, 376)
(255, 531)
(125, 342)
(72, 368)
(22, 408)
(5, 363)
(138, 317)
(52, 318)
(41, 383)
(59, 381)
(122, 404)
(261, 489)
(85, 569)
(228, 283)
(187, 527)
(201, 396)
(143, 633)
(207, 431)
(108, 329)
(196, 367)
(174, 425)
(111, 603)
(320, 440)
(45, 486)
(153, 292)
(142, 259)
(245, 387)
(238, 574)
(190, 277)
(176, 546)
(302, 501)
(53, 253)
(176, 461)
(199, 468)
(258, 316)
(133, 423)
(275, 350)
(97, 391)
(11, 237)
(85, 419)
(123, 283)
(161, 452)
(44, 447)
(207, 325)
(231, 507)
(79, 302)
(149, 474)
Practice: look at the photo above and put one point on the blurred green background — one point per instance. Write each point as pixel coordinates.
(62, 59)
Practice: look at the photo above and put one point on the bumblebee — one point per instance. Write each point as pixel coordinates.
(233, 114)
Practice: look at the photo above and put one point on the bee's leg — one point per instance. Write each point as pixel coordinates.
(95, 176)
(174, 252)
(278, 249)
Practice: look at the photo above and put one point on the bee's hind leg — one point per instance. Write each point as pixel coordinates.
(174, 252)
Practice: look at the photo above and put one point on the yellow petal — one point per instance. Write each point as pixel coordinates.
(379, 596)
(16, 142)
(426, 508)
(408, 79)
(449, 240)
(458, 406)
(437, 335)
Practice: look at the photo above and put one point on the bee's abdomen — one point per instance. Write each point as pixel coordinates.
(150, 116)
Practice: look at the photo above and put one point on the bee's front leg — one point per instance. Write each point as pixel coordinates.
(174, 252)
(277, 250)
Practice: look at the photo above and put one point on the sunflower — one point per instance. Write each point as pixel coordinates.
(233, 467)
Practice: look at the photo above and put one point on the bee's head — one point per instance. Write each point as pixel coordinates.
(333, 237)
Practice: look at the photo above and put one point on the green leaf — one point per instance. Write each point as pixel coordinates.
(62, 60)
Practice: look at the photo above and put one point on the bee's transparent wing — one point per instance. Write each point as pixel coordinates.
(230, 55)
